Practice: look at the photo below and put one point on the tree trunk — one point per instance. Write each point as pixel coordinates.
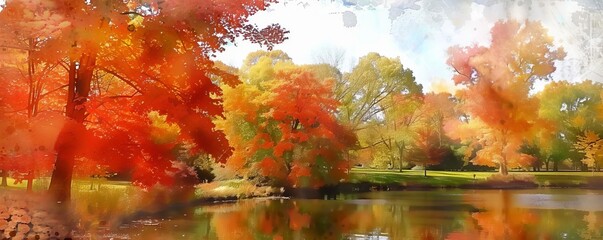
(80, 78)
(400, 170)
(30, 181)
(4, 174)
(555, 166)
(425, 171)
(401, 151)
(60, 182)
(546, 165)
(503, 169)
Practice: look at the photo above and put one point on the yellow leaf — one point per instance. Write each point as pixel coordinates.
(579, 122)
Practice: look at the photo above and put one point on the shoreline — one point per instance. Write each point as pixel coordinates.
(362, 181)
(332, 192)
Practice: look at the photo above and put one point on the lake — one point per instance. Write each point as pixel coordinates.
(440, 214)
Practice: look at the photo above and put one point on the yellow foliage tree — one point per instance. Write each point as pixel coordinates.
(592, 146)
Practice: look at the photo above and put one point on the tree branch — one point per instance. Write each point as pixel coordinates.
(15, 47)
(123, 79)
(382, 141)
(53, 90)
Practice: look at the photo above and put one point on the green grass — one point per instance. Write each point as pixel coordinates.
(41, 184)
(81, 187)
(94, 200)
(453, 178)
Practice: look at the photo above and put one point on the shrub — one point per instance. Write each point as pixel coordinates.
(511, 178)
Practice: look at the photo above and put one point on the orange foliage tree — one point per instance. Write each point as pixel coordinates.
(426, 149)
(430, 145)
(497, 80)
(281, 124)
(120, 60)
(27, 101)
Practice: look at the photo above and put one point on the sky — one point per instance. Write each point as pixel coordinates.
(419, 32)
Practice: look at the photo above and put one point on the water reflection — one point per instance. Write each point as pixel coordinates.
(451, 214)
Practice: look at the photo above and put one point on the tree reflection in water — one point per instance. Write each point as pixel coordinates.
(499, 220)
(450, 214)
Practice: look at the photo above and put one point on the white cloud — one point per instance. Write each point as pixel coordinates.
(419, 37)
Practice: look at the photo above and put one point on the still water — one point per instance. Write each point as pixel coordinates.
(442, 214)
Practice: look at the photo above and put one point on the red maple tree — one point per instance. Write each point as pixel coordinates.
(120, 60)
(287, 131)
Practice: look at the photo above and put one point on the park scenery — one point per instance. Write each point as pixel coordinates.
(310, 119)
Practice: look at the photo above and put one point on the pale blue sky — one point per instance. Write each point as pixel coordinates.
(417, 31)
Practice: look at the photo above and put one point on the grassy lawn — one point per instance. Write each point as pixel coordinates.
(111, 193)
(116, 191)
(453, 178)
(94, 199)
(41, 184)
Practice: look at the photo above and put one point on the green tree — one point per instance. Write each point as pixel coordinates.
(572, 109)
(401, 126)
(367, 95)
(368, 88)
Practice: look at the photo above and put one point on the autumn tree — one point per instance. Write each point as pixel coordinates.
(439, 108)
(591, 145)
(157, 54)
(27, 100)
(411, 132)
(497, 80)
(327, 71)
(572, 109)
(330, 64)
(400, 126)
(281, 124)
(426, 149)
(431, 145)
(369, 87)
(365, 94)
(253, 58)
(26, 146)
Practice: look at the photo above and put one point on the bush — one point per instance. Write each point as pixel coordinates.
(222, 173)
(511, 178)
(204, 175)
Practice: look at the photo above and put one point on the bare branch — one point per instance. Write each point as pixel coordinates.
(382, 141)
(53, 90)
(123, 79)
(15, 47)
